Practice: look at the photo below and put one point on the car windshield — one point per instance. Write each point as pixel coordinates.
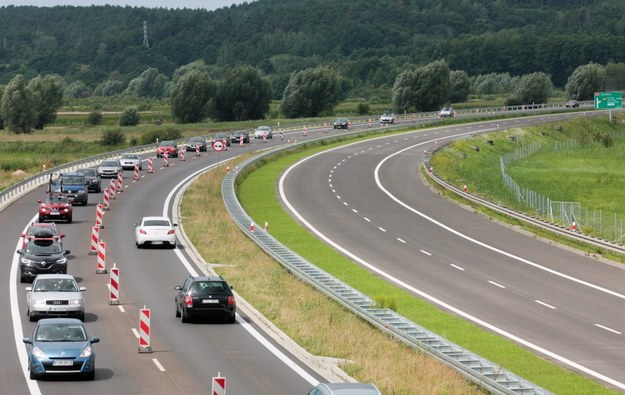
(263, 128)
(209, 288)
(195, 140)
(55, 199)
(41, 247)
(55, 285)
(167, 144)
(60, 333)
(155, 222)
(109, 163)
(72, 180)
(239, 133)
(88, 172)
(130, 156)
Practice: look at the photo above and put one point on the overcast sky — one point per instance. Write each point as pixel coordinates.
(207, 4)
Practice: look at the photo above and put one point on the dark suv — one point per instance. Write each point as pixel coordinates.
(74, 186)
(205, 296)
(42, 257)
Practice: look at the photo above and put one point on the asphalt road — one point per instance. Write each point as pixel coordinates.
(366, 200)
(185, 357)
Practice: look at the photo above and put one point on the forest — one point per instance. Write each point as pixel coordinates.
(367, 42)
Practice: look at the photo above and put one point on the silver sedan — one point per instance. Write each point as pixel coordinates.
(55, 295)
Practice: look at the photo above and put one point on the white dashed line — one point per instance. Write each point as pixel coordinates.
(338, 197)
(545, 304)
(345, 203)
(401, 240)
(425, 252)
(497, 285)
(367, 219)
(354, 210)
(457, 267)
(608, 329)
(158, 364)
(382, 229)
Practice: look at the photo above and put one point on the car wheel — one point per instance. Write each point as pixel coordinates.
(231, 320)
(90, 376)
(22, 279)
(184, 317)
(31, 317)
(177, 311)
(69, 220)
(32, 375)
(81, 316)
(42, 219)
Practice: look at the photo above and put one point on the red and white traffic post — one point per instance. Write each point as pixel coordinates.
(101, 268)
(241, 141)
(114, 285)
(144, 330)
(112, 189)
(120, 182)
(369, 123)
(105, 199)
(165, 160)
(182, 150)
(305, 131)
(264, 137)
(197, 150)
(99, 215)
(136, 172)
(150, 168)
(95, 239)
(325, 127)
(219, 385)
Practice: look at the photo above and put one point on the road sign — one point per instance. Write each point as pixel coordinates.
(218, 146)
(608, 100)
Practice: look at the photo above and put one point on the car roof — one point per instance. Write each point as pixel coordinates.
(55, 275)
(155, 217)
(59, 321)
(207, 278)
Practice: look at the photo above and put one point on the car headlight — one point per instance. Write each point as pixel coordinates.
(81, 191)
(38, 353)
(38, 303)
(27, 261)
(86, 352)
(61, 260)
(75, 302)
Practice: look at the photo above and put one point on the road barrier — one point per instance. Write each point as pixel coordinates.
(114, 285)
(99, 215)
(165, 160)
(106, 199)
(150, 168)
(144, 330)
(113, 189)
(136, 172)
(120, 182)
(219, 385)
(197, 150)
(182, 151)
(101, 263)
(95, 239)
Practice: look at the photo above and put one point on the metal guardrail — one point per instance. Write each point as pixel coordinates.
(484, 373)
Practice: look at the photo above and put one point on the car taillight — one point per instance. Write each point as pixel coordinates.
(188, 301)
(171, 232)
(231, 301)
(143, 232)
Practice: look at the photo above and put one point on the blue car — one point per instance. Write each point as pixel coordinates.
(60, 346)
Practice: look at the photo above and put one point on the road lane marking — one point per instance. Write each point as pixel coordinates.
(545, 304)
(158, 365)
(608, 329)
(425, 252)
(496, 284)
(457, 267)
(401, 240)
(382, 229)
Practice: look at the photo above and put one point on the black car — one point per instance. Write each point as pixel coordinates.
(342, 123)
(92, 179)
(42, 257)
(222, 136)
(205, 296)
(238, 135)
(572, 104)
(194, 142)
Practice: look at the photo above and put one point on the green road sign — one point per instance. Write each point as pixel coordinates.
(608, 100)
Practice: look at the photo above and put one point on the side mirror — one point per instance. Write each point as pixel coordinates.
(62, 235)
(28, 289)
(175, 224)
(39, 201)
(94, 340)
(67, 252)
(27, 340)
(178, 288)
(81, 289)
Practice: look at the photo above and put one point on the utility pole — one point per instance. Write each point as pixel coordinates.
(145, 35)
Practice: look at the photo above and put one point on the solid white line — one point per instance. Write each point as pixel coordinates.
(158, 365)
(431, 298)
(608, 329)
(135, 332)
(496, 284)
(545, 304)
(457, 267)
(425, 252)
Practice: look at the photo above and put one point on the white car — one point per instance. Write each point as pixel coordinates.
(128, 161)
(388, 118)
(266, 130)
(55, 295)
(155, 230)
(447, 112)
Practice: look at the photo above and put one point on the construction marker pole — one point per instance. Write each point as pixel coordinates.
(197, 150)
(165, 160)
(114, 285)
(182, 151)
(95, 239)
(144, 330)
(252, 227)
(325, 127)
(136, 172)
(105, 199)
(120, 182)
(99, 215)
(112, 189)
(150, 168)
(219, 385)
(101, 268)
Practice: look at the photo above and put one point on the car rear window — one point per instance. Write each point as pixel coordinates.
(209, 288)
(155, 222)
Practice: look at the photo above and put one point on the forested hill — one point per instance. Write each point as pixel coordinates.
(366, 41)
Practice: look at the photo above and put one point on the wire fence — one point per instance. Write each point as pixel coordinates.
(572, 215)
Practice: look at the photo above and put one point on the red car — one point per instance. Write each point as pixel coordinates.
(167, 147)
(40, 231)
(55, 206)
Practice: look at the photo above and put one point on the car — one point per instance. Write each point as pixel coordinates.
(74, 186)
(109, 168)
(60, 346)
(42, 257)
(205, 296)
(55, 295)
(263, 130)
(447, 112)
(40, 231)
(92, 179)
(168, 147)
(222, 136)
(345, 389)
(342, 123)
(194, 142)
(388, 118)
(128, 161)
(238, 135)
(55, 206)
(572, 104)
(155, 230)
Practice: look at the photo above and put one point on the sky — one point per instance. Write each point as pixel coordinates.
(194, 4)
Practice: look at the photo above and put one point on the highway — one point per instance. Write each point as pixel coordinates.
(366, 200)
(185, 357)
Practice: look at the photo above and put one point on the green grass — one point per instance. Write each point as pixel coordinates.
(258, 196)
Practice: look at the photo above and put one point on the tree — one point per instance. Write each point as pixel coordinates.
(423, 89)
(311, 92)
(17, 106)
(1, 119)
(150, 83)
(77, 89)
(47, 98)
(242, 95)
(191, 96)
(130, 117)
(534, 88)
(585, 81)
(459, 86)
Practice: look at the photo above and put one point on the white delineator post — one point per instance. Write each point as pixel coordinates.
(114, 285)
(144, 330)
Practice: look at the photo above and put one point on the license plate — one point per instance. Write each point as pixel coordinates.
(210, 301)
(62, 362)
(56, 309)
(55, 213)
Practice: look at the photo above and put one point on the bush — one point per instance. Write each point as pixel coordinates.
(362, 109)
(130, 117)
(94, 118)
(152, 136)
(113, 137)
